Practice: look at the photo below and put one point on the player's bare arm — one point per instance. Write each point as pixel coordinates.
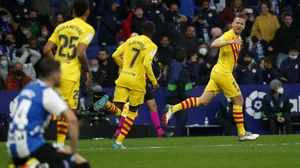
(48, 49)
(218, 43)
(81, 52)
(73, 128)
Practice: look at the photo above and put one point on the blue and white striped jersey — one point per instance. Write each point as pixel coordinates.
(30, 116)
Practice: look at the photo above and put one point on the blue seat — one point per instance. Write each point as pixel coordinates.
(97, 31)
(92, 51)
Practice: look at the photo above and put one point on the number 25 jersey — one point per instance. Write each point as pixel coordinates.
(67, 36)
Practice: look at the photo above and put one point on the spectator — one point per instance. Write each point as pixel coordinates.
(289, 69)
(229, 12)
(9, 48)
(99, 76)
(187, 8)
(256, 48)
(271, 72)
(7, 23)
(249, 72)
(265, 26)
(261, 63)
(137, 20)
(4, 67)
(23, 34)
(44, 35)
(193, 65)
(28, 58)
(108, 66)
(188, 41)
(17, 79)
(34, 23)
(176, 23)
(166, 55)
(286, 36)
(214, 52)
(206, 19)
(108, 27)
(246, 33)
(58, 19)
(276, 108)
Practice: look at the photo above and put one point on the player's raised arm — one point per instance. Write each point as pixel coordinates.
(51, 44)
(118, 54)
(85, 40)
(223, 41)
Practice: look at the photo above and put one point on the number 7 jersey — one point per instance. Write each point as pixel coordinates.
(138, 53)
(67, 36)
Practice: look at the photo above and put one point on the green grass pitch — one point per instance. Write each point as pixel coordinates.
(196, 152)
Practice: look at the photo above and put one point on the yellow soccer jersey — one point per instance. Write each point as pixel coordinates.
(138, 53)
(228, 54)
(67, 37)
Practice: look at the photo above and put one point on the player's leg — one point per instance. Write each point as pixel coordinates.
(136, 98)
(122, 119)
(56, 156)
(211, 90)
(231, 90)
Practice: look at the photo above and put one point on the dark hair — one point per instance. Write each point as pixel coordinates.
(249, 53)
(286, 14)
(269, 5)
(148, 28)
(269, 60)
(80, 7)
(10, 34)
(48, 66)
(138, 6)
(32, 10)
(103, 49)
(180, 55)
(254, 39)
(240, 15)
(191, 53)
(260, 60)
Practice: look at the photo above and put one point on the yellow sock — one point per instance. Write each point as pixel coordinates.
(62, 130)
(239, 119)
(53, 118)
(186, 104)
(129, 120)
(113, 109)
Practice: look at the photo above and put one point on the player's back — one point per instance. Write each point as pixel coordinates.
(67, 37)
(29, 119)
(133, 71)
(228, 55)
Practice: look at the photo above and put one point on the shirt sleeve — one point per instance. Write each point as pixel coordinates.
(87, 37)
(54, 37)
(53, 103)
(150, 53)
(118, 54)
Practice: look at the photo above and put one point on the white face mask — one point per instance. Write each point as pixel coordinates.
(202, 51)
(293, 57)
(280, 90)
(228, 100)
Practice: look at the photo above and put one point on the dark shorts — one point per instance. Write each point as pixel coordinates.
(48, 154)
(148, 95)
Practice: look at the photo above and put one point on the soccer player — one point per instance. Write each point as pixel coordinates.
(71, 39)
(30, 117)
(138, 53)
(221, 79)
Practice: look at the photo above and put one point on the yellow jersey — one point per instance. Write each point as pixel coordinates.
(138, 53)
(228, 55)
(67, 36)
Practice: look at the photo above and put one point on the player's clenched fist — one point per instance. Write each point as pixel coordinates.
(155, 87)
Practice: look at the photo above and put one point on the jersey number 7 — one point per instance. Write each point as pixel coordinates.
(69, 45)
(136, 54)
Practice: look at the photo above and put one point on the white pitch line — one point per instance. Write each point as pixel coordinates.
(198, 146)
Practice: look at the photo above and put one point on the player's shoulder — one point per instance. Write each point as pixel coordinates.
(227, 35)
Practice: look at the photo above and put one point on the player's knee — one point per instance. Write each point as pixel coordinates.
(203, 101)
(152, 107)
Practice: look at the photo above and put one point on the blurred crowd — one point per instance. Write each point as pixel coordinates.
(270, 38)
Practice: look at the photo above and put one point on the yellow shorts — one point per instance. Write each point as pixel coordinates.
(225, 83)
(135, 97)
(69, 91)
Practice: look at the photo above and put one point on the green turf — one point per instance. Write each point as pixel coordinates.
(204, 152)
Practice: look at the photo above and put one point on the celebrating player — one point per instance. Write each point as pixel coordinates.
(72, 39)
(138, 53)
(221, 79)
(30, 117)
